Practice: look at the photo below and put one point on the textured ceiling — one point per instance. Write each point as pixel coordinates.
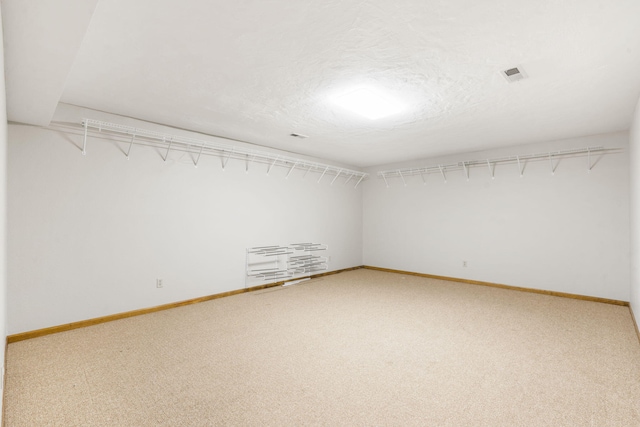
(259, 70)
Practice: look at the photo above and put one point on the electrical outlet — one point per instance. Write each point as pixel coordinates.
(159, 283)
(464, 263)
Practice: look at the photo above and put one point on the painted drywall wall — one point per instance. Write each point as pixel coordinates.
(566, 232)
(3, 216)
(634, 191)
(89, 235)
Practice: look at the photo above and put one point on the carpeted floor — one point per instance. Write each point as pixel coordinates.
(360, 348)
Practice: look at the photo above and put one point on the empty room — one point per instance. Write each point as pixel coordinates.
(273, 213)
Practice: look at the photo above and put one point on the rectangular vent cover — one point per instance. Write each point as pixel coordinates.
(514, 74)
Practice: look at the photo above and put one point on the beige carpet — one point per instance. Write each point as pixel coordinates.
(361, 348)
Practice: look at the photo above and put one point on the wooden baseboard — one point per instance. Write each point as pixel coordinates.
(95, 321)
(4, 382)
(634, 322)
(497, 285)
(329, 273)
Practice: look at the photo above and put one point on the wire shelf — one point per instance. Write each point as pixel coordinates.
(196, 148)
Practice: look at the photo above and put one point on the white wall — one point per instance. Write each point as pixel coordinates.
(566, 232)
(89, 235)
(3, 213)
(634, 142)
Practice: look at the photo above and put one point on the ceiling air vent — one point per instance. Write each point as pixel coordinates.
(514, 74)
(299, 135)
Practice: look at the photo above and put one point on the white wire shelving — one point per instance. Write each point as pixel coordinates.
(197, 148)
(284, 262)
(442, 169)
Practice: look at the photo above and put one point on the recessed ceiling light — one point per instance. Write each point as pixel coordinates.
(369, 103)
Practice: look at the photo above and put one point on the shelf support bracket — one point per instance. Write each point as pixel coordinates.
(291, 170)
(384, 176)
(195, 162)
(348, 179)
(271, 165)
(491, 170)
(166, 156)
(589, 165)
(306, 172)
(225, 161)
(359, 181)
(402, 176)
(466, 169)
(443, 174)
(424, 181)
(519, 167)
(321, 176)
(84, 142)
(553, 169)
(336, 177)
(133, 137)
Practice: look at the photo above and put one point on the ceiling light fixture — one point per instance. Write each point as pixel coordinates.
(369, 103)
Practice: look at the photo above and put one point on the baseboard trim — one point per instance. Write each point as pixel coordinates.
(329, 273)
(497, 285)
(95, 321)
(634, 322)
(4, 381)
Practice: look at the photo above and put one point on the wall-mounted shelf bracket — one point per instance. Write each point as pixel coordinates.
(323, 172)
(166, 155)
(133, 138)
(197, 159)
(491, 169)
(84, 141)
(520, 170)
(306, 172)
(271, 165)
(403, 180)
(225, 160)
(291, 170)
(336, 177)
(589, 165)
(443, 174)
(348, 179)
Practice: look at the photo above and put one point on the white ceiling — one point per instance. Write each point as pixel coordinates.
(259, 70)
